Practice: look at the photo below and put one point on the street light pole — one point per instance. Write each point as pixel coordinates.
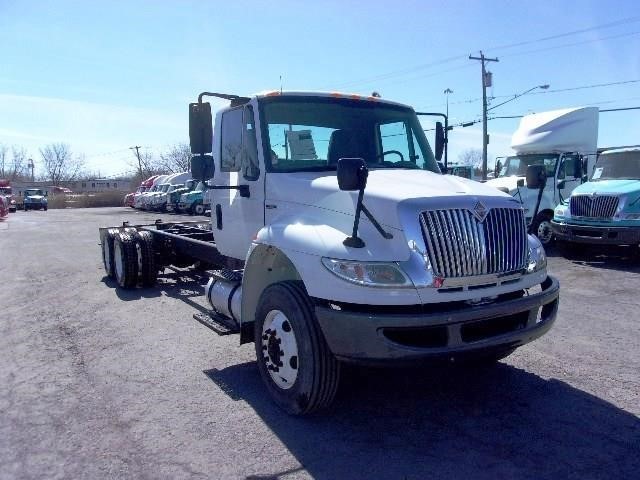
(31, 166)
(447, 92)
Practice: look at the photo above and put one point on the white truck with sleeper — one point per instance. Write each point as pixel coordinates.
(565, 142)
(335, 238)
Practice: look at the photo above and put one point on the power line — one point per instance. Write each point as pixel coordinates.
(567, 34)
(404, 71)
(555, 47)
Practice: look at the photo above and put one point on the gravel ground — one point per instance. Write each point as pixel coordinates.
(102, 383)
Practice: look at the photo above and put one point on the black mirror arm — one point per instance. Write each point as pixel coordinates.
(355, 241)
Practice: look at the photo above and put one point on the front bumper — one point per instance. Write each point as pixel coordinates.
(381, 338)
(599, 235)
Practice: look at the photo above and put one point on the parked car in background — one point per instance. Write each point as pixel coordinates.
(606, 209)
(35, 199)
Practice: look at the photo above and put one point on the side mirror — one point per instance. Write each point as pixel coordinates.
(585, 178)
(497, 168)
(202, 167)
(440, 140)
(352, 174)
(561, 184)
(520, 183)
(200, 128)
(444, 170)
(536, 176)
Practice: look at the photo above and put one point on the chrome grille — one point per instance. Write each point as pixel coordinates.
(592, 206)
(461, 246)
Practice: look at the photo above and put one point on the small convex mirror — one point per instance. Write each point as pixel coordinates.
(536, 176)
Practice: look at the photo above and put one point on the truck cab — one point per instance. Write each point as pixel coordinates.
(35, 199)
(565, 143)
(605, 210)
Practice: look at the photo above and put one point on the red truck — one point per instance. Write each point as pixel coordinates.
(7, 195)
(129, 198)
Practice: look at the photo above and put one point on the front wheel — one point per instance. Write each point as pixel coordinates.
(541, 228)
(199, 209)
(294, 360)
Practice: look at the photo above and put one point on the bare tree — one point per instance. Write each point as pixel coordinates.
(18, 156)
(176, 160)
(3, 160)
(471, 157)
(59, 163)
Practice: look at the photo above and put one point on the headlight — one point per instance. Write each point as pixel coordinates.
(562, 211)
(630, 216)
(537, 255)
(370, 274)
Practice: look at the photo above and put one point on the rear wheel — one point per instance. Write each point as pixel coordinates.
(125, 260)
(107, 251)
(147, 267)
(293, 358)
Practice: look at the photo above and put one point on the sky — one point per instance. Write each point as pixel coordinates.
(105, 76)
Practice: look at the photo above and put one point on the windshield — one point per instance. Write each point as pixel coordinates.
(312, 134)
(29, 193)
(617, 166)
(517, 164)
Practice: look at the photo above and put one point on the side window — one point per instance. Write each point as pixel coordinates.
(231, 145)
(395, 142)
(570, 167)
(250, 165)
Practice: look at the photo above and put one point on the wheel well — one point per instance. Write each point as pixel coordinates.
(265, 266)
(547, 213)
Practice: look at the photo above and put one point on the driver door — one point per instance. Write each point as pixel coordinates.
(236, 218)
(569, 170)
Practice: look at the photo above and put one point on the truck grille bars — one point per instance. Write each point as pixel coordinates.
(601, 206)
(462, 246)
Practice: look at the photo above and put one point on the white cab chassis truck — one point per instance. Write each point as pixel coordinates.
(565, 142)
(335, 238)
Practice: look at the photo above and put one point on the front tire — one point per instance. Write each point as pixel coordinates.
(541, 228)
(294, 360)
(199, 209)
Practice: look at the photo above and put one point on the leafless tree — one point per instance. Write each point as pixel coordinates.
(59, 164)
(471, 157)
(176, 160)
(12, 166)
(3, 160)
(18, 157)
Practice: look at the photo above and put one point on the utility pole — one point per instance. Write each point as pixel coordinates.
(446, 136)
(485, 136)
(137, 149)
(31, 166)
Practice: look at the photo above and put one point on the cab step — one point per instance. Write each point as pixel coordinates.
(219, 324)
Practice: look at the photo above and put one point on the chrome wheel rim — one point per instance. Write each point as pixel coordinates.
(280, 349)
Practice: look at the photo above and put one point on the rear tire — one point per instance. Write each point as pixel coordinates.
(125, 260)
(294, 360)
(147, 267)
(107, 251)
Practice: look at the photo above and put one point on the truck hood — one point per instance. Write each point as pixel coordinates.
(386, 190)
(37, 198)
(511, 183)
(618, 187)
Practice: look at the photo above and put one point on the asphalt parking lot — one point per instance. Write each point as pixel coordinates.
(102, 383)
